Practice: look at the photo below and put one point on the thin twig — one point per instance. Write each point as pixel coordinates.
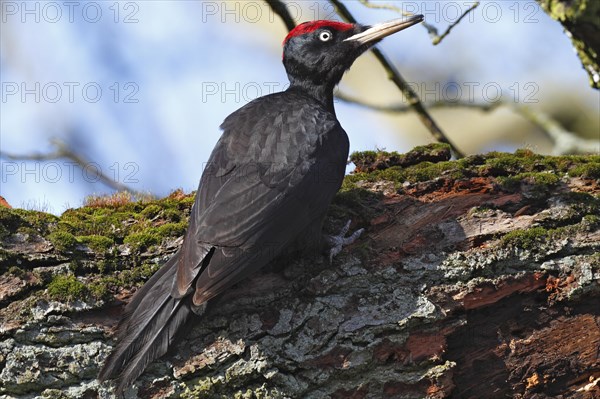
(436, 38)
(281, 9)
(63, 151)
(432, 30)
(407, 91)
(401, 108)
(565, 142)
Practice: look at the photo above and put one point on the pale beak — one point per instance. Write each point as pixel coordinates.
(379, 31)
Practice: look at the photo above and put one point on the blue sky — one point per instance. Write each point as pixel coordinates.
(139, 88)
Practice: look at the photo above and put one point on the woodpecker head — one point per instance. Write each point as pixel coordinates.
(316, 54)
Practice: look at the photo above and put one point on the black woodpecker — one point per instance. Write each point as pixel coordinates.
(269, 181)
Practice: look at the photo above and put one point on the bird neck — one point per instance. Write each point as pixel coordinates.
(320, 92)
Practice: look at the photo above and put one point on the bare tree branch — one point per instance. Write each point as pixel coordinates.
(63, 151)
(401, 108)
(565, 142)
(281, 9)
(413, 99)
(436, 38)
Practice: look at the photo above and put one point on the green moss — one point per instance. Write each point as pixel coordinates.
(151, 211)
(9, 221)
(188, 201)
(431, 148)
(479, 210)
(38, 220)
(420, 172)
(540, 172)
(96, 243)
(150, 236)
(133, 277)
(577, 197)
(139, 274)
(595, 260)
(63, 241)
(216, 388)
(51, 393)
(503, 165)
(428, 171)
(590, 222)
(526, 153)
(75, 265)
(393, 174)
(7, 259)
(106, 265)
(368, 161)
(4, 232)
(368, 157)
(66, 288)
(141, 241)
(582, 203)
(171, 229)
(105, 222)
(355, 203)
(140, 224)
(202, 387)
(69, 288)
(525, 161)
(546, 179)
(16, 271)
(99, 289)
(526, 239)
(179, 203)
(174, 215)
(540, 182)
(25, 221)
(587, 171)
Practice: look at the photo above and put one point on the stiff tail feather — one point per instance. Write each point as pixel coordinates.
(147, 328)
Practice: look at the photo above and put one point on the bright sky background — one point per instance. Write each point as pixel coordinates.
(140, 88)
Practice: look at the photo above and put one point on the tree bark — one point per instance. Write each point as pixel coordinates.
(581, 20)
(477, 278)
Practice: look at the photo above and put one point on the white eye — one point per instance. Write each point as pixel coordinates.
(325, 36)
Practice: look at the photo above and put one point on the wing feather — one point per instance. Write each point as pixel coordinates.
(267, 179)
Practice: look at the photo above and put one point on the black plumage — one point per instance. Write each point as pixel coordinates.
(269, 180)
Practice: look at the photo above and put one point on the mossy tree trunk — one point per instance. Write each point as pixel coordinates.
(581, 20)
(476, 278)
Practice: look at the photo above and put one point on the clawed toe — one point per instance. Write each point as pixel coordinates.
(338, 242)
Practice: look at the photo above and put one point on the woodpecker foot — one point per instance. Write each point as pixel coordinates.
(339, 241)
